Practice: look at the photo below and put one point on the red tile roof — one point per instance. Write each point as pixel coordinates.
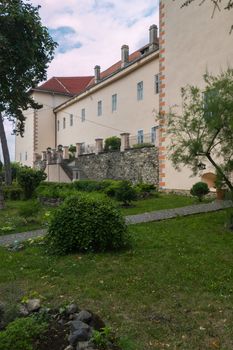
(115, 67)
(65, 85)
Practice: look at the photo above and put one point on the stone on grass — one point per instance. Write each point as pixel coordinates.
(71, 309)
(33, 305)
(23, 311)
(82, 334)
(84, 316)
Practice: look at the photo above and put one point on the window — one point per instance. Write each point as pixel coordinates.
(58, 125)
(64, 123)
(71, 120)
(26, 156)
(157, 84)
(153, 134)
(114, 102)
(140, 136)
(140, 90)
(99, 111)
(83, 114)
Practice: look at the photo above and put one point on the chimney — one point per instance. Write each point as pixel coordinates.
(153, 36)
(97, 74)
(124, 55)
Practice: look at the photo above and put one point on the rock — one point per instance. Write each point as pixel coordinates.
(77, 325)
(71, 309)
(82, 334)
(23, 311)
(33, 305)
(69, 347)
(83, 345)
(84, 316)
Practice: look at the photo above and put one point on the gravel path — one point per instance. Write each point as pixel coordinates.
(136, 219)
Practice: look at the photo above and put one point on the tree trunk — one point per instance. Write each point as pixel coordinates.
(5, 152)
(218, 168)
(2, 205)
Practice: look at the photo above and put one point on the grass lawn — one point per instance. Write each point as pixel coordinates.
(172, 290)
(10, 218)
(164, 201)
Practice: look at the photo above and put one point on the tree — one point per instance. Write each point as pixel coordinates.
(218, 5)
(204, 130)
(26, 48)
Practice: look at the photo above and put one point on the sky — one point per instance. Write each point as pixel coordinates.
(91, 32)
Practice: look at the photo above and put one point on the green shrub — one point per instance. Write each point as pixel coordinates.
(12, 192)
(144, 190)
(199, 190)
(29, 209)
(29, 179)
(125, 192)
(86, 223)
(112, 144)
(21, 334)
(92, 185)
(142, 145)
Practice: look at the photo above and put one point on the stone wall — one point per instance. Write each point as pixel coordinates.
(134, 164)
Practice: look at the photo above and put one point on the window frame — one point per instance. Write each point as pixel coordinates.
(114, 102)
(157, 83)
(140, 136)
(83, 114)
(140, 90)
(99, 108)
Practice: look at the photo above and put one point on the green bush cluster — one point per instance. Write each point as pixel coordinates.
(21, 334)
(199, 190)
(142, 145)
(86, 223)
(12, 192)
(29, 209)
(120, 190)
(29, 179)
(112, 144)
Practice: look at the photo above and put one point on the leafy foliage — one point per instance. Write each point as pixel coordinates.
(85, 223)
(125, 192)
(29, 179)
(20, 334)
(26, 48)
(12, 192)
(199, 190)
(29, 209)
(204, 131)
(112, 144)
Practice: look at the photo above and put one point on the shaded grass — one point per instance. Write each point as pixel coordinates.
(172, 289)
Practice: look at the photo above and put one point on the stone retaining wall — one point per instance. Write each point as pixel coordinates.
(134, 164)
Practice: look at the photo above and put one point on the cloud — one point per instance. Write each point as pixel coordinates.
(66, 37)
(10, 140)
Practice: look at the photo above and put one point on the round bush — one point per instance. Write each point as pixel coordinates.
(86, 224)
(199, 190)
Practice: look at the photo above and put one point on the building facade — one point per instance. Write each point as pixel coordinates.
(192, 42)
(127, 97)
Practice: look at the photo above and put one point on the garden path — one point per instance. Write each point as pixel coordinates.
(136, 219)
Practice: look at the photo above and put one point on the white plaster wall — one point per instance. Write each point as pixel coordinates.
(45, 129)
(131, 115)
(25, 144)
(194, 43)
(55, 173)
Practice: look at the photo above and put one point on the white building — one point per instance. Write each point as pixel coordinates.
(127, 97)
